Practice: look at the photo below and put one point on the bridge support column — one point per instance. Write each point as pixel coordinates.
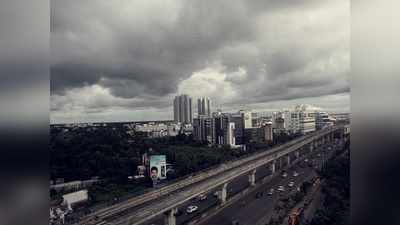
(288, 160)
(170, 218)
(273, 167)
(223, 193)
(252, 178)
(297, 154)
(312, 146)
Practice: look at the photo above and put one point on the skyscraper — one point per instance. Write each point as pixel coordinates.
(183, 109)
(204, 106)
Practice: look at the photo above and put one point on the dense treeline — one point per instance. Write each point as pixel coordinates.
(336, 190)
(112, 154)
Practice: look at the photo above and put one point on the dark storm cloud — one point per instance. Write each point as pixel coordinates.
(144, 50)
(156, 56)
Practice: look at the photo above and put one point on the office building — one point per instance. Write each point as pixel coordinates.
(203, 129)
(224, 130)
(323, 120)
(267, 132)
(248, 121)
(183, 109)
(300, 120)
(238, 120)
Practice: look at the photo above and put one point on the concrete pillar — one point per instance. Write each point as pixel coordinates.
(224, 193)
(288, 159)
(252, 178)
(170, 218)
(280, 163)
(273, 167)
(297, 154)
(312, 146)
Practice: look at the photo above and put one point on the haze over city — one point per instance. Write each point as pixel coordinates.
(126, 60)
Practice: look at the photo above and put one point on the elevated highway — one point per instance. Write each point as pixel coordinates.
(166, 200)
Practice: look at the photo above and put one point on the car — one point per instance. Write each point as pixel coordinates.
(305, 160)
(291, 184)
(202, 197)
(295, 174)
(284, 174)
(259, 194)
(191, 209)
(271, 191)
(281, 188)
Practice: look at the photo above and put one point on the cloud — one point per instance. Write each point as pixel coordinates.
(237, 53)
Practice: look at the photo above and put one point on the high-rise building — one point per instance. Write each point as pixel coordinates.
(300, 120)
(204, 106)
(203, 129)
(238, 120)
(247, 115)
(267, 132)
(231, 134)
(183, 109)
(224, 130)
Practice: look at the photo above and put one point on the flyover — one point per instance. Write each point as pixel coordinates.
(165, 200)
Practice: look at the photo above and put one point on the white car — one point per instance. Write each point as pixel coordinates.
(295, 174)
(281, 188)
(291, 184)
(191, 209)
(271, 191)
(284, 174)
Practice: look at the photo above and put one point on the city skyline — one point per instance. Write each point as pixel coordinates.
(126, 65)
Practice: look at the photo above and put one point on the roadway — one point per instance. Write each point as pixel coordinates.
(257, 208)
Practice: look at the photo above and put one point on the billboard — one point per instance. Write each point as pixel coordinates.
(158, 167)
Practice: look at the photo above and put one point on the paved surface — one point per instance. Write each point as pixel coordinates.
(248, 205)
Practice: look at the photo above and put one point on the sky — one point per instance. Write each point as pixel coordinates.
(125, 60)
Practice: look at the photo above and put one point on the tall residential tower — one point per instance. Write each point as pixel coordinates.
(183, 109)
(204, 106)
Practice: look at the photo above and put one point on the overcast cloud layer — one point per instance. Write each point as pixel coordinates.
(125, 60)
